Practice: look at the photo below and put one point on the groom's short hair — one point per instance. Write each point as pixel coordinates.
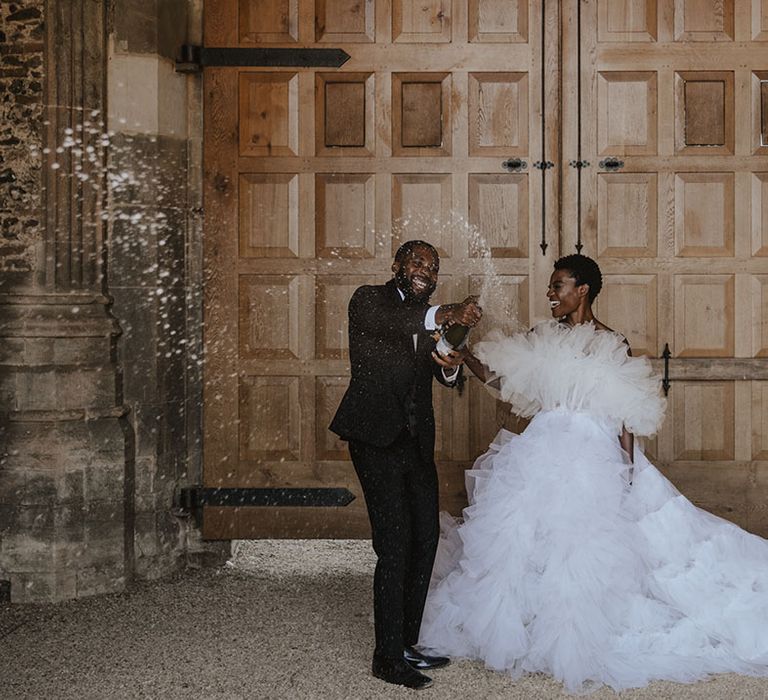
(584, 270)
(407, 248)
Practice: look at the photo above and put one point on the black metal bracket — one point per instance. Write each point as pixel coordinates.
(543, 164)
(194, 58)
(579, 164)
(666, 381)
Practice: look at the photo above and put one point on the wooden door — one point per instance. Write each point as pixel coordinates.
(676, 91)
(312, 179)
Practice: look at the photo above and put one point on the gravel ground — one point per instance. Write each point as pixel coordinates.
(286, 619)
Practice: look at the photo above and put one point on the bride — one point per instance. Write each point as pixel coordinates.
(576, 557)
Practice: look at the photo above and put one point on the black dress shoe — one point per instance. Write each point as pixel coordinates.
(421, 661)
(398, 672)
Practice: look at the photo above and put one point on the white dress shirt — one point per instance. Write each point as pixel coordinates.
(431, 325)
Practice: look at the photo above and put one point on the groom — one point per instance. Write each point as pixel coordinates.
(387, 417)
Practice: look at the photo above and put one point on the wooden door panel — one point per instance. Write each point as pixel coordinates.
(268, 223)
(269, 114)
(626, 113)
(344, 114)
(704, 112)
(629, 303)
(498, 206)
(704, 20)
(271, 21)
(759, 295)
(704, 214)
(498, 114)
(421, 21)
(626, 20)
(345, 215)
(673, 93)
(627, 214)
(344, 21)
(421, 114)
(759, 214)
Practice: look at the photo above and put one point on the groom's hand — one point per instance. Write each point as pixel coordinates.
(467, 313)
(451, 360)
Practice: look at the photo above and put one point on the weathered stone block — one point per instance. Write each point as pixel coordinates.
(95, 580)
(11, 350)
(34, 520)
(171, 26)
(69, 523)
(41, 489)
(147, 424)
(52, 487)
(104, 482)
(13, 483)
(69, 554)
(171, 231)
(159, 164)
(43, 587)
(24, 553)
(8, 390)
(66, 351)
(8, 516)
(136, 25)
(104, 539)
(133, 251)
(106, 440)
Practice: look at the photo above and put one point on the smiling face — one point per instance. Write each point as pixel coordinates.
(564, 295)
(416, 274)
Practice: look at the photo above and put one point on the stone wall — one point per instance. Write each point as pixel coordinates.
(21, 125)
(100, 313)
(62, 444)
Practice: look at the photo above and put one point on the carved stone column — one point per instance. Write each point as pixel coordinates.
(65, 482)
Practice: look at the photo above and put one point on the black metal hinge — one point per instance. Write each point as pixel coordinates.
(195, 58)
(195, 497)
(666, 382)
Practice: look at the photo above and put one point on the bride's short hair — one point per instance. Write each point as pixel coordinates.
(584, 270)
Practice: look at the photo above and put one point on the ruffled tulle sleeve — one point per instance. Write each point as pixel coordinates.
(578, 368)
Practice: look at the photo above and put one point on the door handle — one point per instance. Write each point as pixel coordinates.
(514, 165)
(611, 164)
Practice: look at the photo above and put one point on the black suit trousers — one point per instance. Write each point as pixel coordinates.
(401, 491)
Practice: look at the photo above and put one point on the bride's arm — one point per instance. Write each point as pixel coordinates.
(476, 367)
(627, 439)
(627, 442)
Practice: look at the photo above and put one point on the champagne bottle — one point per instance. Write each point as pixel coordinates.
(453, 337)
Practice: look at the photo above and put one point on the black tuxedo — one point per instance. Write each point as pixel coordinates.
(387, 417)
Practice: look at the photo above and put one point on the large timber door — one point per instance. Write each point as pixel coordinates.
(640, 137)
(666, 102)
(313, 176)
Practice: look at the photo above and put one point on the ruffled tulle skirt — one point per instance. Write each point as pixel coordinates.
(561, 566)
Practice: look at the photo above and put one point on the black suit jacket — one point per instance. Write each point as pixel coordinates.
(389, 378)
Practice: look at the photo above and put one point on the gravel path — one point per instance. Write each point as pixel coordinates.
(285, 620)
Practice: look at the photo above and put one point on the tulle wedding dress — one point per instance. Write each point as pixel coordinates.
(563, 566)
